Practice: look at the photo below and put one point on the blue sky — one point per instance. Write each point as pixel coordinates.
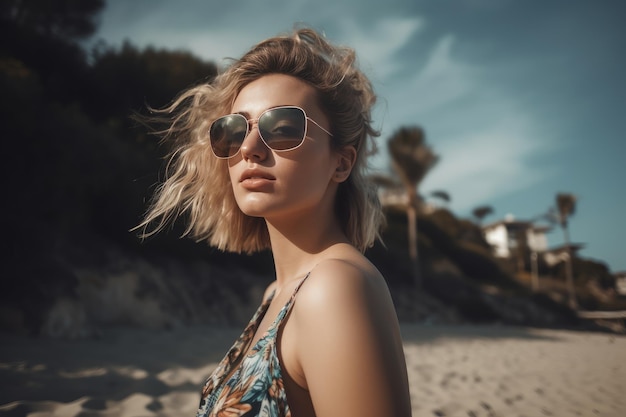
(521, 99)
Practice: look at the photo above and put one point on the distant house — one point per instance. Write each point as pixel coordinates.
(508, 235)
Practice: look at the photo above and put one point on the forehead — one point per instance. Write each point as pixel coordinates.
(274, 90)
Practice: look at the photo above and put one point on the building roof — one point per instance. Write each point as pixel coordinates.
(518, 225)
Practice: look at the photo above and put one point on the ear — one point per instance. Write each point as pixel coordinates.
(346, 157)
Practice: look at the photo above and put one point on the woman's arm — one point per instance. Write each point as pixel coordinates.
(349, 348)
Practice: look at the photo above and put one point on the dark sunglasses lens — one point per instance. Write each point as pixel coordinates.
(283, 128)
(227, 134)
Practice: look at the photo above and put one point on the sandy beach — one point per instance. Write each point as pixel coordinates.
(453, 371)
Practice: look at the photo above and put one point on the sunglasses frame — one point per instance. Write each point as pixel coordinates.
(251, 122)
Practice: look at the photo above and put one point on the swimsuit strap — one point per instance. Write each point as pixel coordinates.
(287, 307)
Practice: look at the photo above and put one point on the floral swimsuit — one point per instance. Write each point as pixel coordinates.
(255, 387)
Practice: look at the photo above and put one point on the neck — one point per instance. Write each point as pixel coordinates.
(298, 245)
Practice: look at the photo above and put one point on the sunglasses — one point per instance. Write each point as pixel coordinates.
(280, 128)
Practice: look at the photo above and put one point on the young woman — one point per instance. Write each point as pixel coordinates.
(272, 154)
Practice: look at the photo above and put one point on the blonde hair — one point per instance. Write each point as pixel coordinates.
(197, 184)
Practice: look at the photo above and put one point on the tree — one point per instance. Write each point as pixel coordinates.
(481, 212)
(82, 119)
(412, 159)
(565, 208)
(129, 78)
(68, 19)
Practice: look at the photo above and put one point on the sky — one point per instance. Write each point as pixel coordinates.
(520, 99)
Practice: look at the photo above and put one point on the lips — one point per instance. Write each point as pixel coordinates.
(255, 174)
(256, 180)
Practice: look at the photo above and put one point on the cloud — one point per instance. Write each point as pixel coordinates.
(207, 45)
(438, 82)
(443, 80)
(215, 33)
(377, 44)
(488, 142)
(211, 31)
(489, 162)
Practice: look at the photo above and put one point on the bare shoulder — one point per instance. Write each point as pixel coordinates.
(346, 292)
(344, 318)
(344, 281)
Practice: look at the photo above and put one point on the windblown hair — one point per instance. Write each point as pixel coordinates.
(197, 184)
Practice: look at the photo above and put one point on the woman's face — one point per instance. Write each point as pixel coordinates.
(274, 184)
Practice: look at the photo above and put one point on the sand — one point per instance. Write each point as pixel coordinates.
(453, 371)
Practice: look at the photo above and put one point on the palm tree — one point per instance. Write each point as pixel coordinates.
(481, 212)
(441, 195)
(566, 207)
(412, 159)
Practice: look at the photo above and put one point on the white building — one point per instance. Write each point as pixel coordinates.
(620, 283)
(509, 235)
(506, 236)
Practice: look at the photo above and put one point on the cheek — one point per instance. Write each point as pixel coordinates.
(231, 176)
(309, 177)
(232, 173)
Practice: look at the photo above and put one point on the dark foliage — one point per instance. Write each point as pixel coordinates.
(74, 167)
(586, 270)
(462, 242)
(66, 19)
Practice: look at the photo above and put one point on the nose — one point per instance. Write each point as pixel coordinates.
(253, 146)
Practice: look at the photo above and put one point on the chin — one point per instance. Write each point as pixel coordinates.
(251, 213)
(253, 210)
(254, 205)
